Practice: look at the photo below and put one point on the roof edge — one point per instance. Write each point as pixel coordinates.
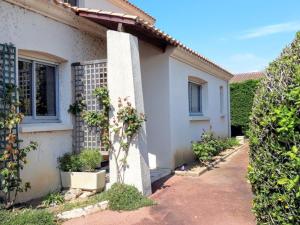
(62, 14)
(133, 9)
(182, 55)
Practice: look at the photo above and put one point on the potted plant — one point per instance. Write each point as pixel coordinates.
(79, 171)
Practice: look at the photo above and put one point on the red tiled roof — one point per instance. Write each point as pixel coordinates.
(241, 77)
(139, 9)
(137, 21)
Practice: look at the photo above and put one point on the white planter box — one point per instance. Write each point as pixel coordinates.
(84, 180)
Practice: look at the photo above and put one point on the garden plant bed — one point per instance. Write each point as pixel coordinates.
(196, 169)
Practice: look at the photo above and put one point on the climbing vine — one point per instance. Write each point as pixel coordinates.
(13, 157)
(123, 129)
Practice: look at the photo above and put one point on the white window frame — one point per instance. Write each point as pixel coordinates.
(42, 119)
(200, 100)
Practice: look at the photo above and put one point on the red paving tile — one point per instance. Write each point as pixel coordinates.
(221, 196)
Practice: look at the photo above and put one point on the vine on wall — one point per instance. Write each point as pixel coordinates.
(124, 128)
(13, 158)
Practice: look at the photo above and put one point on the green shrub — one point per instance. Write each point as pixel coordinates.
(87, 160)
(274, 134)
(230, 143)
(210, 146)
(90, 159)
(69, 163)
(241, 101)
(126, 197)
(53, 199)
(27, 217)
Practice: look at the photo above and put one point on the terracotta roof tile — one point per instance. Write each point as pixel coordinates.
(139, 9)
(168, 38)
(241, 77)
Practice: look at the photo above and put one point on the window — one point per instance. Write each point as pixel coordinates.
(37, 90)
(71, 2)
(221, 99)
(195, 99)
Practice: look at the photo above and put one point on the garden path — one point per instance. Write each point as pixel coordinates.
(221, 196)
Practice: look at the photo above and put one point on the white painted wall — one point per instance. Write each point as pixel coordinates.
(100, 4)
(155, 79)
(185, 128)
(170, 129)
(31, 31)
(124, 80)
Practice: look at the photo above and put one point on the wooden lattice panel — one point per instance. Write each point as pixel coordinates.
(7, 77)
(87, 77)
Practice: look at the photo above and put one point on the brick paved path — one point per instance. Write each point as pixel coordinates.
(219, 197)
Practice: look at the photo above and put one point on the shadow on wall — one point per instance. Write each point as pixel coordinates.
(183, 156)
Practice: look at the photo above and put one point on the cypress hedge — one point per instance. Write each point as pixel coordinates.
(242, 95)
(274, 169)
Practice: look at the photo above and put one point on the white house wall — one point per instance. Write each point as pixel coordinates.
(31, 31)
(100, 4)
(155, 80)
(184, 128)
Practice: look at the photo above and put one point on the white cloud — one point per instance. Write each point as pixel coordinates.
(271, 29)
(245, 62)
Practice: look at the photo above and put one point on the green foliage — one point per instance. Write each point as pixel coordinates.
(53, 199)
(126, 197)
(90, 159)
(100, 118)
(87, 160)
(274, 134)
(210, 146)
(124, 128)
(77, 107)
(13, 157)
(27, 217)
(241, 100)
(69, 163)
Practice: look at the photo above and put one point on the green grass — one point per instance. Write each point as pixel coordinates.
(120, 197)
(27, 217)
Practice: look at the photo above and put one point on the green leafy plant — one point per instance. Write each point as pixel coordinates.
(69, 163)
(13, 158)
(53, 199)
(90, 159)
(27, 217)
(210, 146)
(124, 128)
(77, 107)
(126, 197)
(274, 134)
(87, 160)
(241, 101)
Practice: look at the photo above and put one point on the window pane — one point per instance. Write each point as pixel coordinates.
(25, 87)
(221, 100)
(195, 98)
(45, 90)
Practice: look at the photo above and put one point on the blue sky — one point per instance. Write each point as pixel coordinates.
(240, 35)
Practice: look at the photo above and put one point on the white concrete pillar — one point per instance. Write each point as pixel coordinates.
(124, 80)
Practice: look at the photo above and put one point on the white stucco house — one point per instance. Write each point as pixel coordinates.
(181, 92)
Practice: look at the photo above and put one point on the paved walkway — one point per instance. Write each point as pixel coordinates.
(219, 197)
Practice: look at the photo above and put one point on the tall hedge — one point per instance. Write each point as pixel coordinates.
(242, 95)
(274, 168)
